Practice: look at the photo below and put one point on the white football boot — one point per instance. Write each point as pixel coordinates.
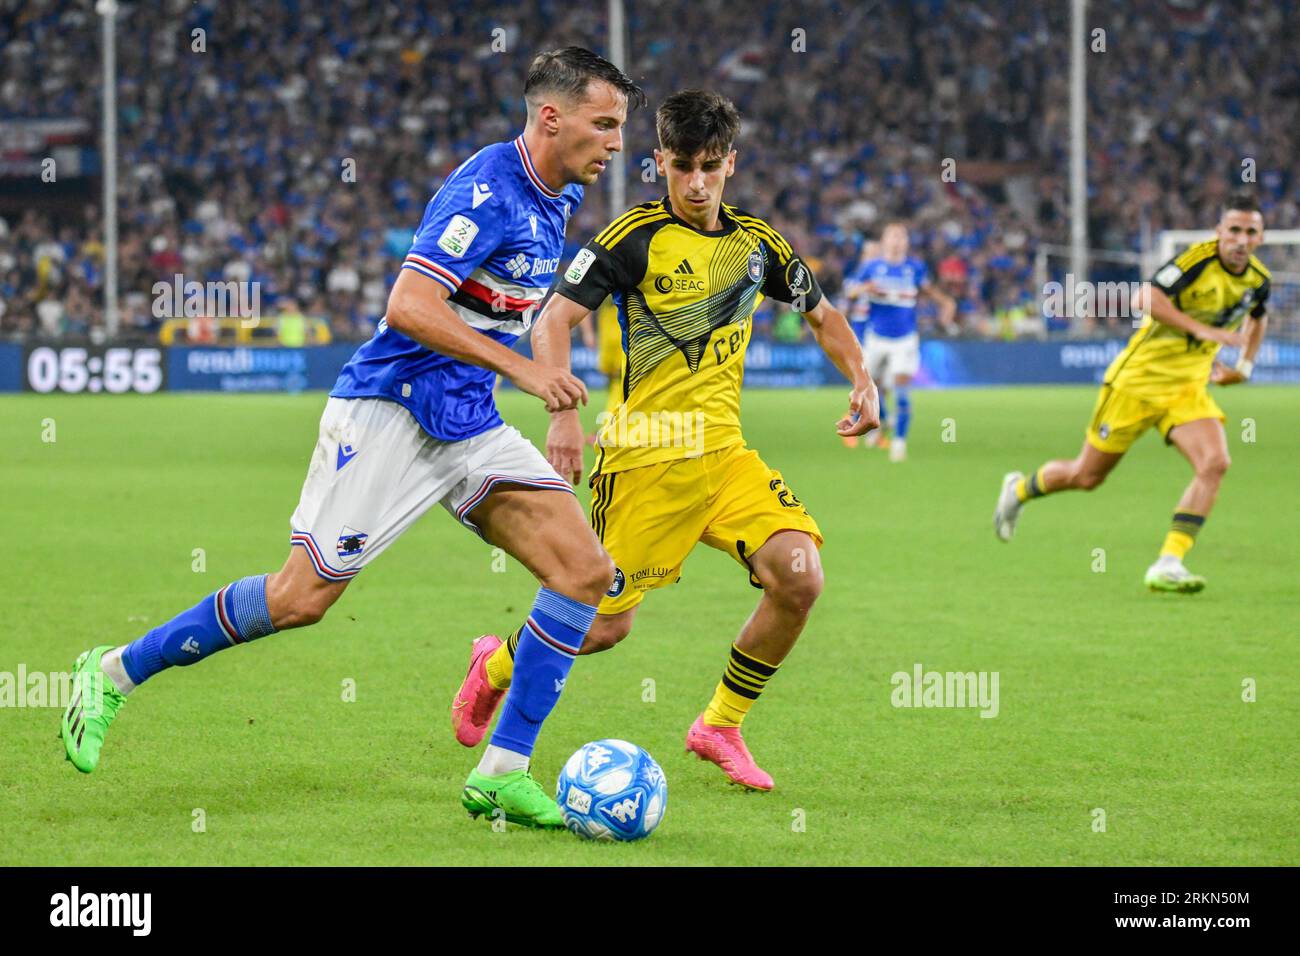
(1168, 574)
(1008, 510)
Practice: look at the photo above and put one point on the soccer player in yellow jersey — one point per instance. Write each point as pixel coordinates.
(672, 468)
(1212, 295)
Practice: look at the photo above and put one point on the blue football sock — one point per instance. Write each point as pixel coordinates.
(234, 615)
(904, 410)
(547, 645)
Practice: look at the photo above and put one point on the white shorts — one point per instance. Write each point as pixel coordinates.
(888, 358)
(375, 471)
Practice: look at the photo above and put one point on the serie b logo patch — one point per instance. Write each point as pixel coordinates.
(579, 266)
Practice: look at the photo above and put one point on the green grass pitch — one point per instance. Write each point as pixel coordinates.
(1110, 698)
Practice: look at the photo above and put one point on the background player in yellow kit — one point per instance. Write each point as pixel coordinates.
(672, 468)
(1199, 302)
(607, 339)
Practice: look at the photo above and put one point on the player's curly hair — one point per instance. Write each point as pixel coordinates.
(694, 121)
(567, 71)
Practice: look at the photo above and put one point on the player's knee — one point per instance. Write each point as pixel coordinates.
(303, 612)
(606, 631)
(798, 590)
(1087, 479)
(1215, 466)
(300, 607)
(586, 578)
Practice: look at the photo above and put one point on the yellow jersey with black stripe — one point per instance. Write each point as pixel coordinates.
(686, 301)
(1160, 359)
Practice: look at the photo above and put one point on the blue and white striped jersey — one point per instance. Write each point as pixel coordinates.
(493, 235)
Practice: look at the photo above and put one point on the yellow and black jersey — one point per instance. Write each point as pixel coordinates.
(685, 302)
(1160, 359)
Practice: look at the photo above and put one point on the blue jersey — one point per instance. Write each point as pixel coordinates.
(893, 308)
(493, 235)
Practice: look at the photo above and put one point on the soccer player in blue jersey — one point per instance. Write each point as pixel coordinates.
(892, 284)
(411, 423)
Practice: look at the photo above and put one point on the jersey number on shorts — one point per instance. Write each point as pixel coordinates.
(784, 494)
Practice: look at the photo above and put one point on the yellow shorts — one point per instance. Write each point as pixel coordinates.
(649, 518)
(1120, 417)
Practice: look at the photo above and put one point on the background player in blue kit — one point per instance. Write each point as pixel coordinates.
(411, 423)
(892, 284)
(859, 306)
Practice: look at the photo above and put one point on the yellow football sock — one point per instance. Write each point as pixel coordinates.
(1031, 487)
(742, 682)
(501, 664)
(1177, 544)
(1182, 534)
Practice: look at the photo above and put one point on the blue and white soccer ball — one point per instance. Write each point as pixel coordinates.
(612, 790)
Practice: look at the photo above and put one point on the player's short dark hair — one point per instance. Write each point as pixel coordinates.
(694, 121)
(1241, 201)
(567, 71)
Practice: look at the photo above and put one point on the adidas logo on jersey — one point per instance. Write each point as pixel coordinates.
(683, 279)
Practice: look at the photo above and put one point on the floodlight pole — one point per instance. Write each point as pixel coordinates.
(108, 10)
(617, 56)
(1078, 145)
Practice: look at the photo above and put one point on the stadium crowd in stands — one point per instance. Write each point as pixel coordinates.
(298, 147)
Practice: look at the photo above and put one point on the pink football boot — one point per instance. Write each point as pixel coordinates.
(477, 699)
(725, 747)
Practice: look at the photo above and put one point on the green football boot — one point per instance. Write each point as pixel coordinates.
(1174, 578)
(516, 795)
(94, 703)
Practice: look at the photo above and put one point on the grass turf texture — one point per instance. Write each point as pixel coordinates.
(1110, 697)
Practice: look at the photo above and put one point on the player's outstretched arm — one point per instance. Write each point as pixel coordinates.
(1163, 310)
(551, 339)
(837, 340)
(417, 307)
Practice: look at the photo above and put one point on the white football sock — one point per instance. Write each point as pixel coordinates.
(111, 664)
(498, 760)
